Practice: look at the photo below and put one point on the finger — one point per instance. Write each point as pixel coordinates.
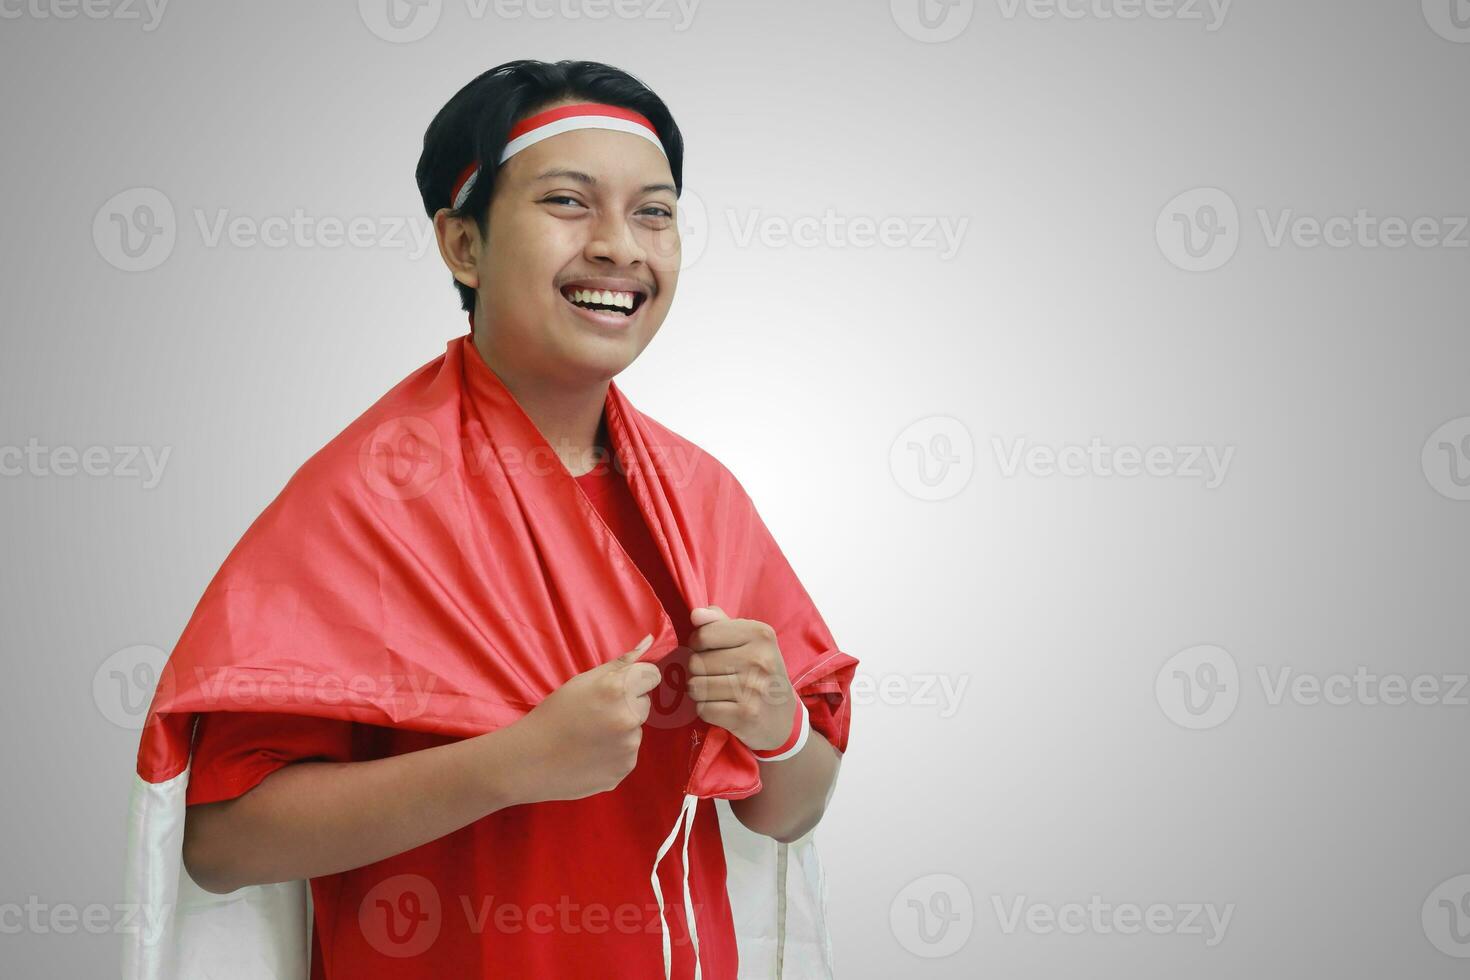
(632, 655)
(706, 614)
(641, 707)
(726, 714)
(635, 684)
(641, 678)
(721, 687)
(726, 660)
(747, 687)
(721, 634)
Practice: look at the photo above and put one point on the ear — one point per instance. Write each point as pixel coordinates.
(459, 245)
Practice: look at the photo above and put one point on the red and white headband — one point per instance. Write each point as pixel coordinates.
(562, 119)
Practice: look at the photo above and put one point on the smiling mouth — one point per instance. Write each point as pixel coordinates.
(604, 300)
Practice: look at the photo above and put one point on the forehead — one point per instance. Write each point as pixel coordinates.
(613, 160)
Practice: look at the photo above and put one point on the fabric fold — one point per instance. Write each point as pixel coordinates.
(434, 567)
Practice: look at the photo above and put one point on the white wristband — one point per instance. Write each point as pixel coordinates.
(806, 728)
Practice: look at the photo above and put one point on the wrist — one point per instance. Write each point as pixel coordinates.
(795, 741)
(506, 762)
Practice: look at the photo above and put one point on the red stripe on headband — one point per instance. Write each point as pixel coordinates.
(580, 109)
(540, 119)
(459, 182)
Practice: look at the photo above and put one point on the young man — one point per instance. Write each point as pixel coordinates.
(411, 681)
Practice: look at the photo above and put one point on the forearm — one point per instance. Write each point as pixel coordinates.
(318, 818)
(794, 792)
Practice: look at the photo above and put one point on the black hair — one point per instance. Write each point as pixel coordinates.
(474, 124)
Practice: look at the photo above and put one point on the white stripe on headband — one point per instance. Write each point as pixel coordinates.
(558, 126)
(553, 122)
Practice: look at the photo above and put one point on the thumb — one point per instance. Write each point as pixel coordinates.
(704, 615)
(631, 657)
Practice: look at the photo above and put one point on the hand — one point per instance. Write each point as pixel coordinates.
(584, 737)
(738, 678)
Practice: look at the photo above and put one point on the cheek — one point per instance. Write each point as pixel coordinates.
(531, 254)
(664, 251)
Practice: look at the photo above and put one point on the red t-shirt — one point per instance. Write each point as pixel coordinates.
(556, 889)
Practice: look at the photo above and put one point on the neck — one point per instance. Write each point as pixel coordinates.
(568, 418)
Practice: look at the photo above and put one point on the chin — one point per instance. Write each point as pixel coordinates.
(596, 366)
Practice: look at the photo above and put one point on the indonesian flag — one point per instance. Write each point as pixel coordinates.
(435, 567)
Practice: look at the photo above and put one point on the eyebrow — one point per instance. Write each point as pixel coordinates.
(591, 181)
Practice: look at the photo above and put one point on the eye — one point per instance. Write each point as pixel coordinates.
(660, 214)
(561, 197)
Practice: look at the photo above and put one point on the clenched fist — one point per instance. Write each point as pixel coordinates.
(738, 679)
(584, 737)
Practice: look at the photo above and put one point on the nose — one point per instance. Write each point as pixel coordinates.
(613, 242)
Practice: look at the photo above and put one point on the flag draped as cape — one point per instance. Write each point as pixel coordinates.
(436, 567)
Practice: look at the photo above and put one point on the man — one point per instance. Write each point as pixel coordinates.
(411, 684)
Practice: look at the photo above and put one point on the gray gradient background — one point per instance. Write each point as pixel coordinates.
(1056, 599)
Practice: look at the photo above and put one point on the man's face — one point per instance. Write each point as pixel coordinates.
(590, 209)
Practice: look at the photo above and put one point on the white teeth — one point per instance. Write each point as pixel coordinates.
(606, 297)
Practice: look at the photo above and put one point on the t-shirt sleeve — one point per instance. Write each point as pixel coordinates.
(821, 672)
(829, 705)
(235, 750)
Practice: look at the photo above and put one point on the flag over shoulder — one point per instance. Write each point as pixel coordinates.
(435, 567)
